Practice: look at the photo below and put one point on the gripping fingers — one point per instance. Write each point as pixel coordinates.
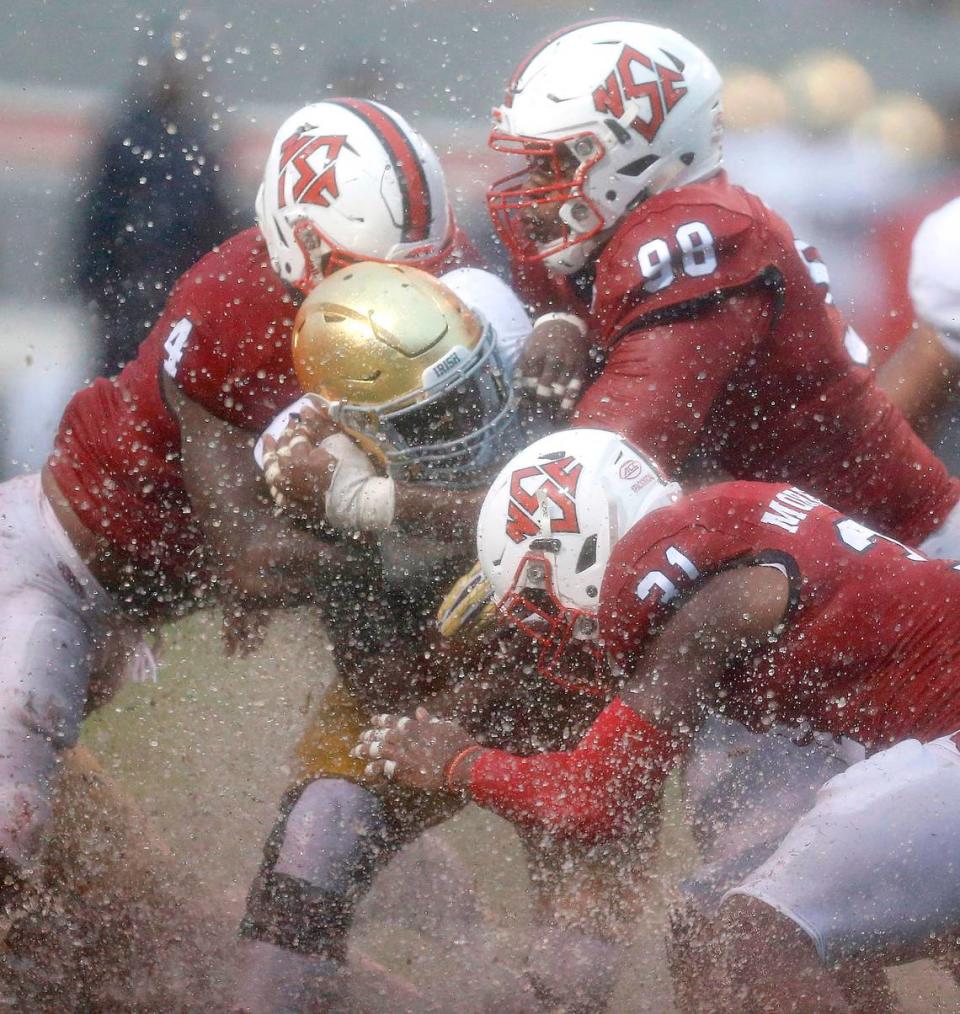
(386, 768)
(271, 467)
(298, 440)
(570, 395)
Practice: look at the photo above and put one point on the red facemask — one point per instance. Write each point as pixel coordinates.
(572, 662)
(516, 202)
(322, 258)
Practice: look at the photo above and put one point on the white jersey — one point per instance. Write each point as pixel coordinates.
(871, 868)
(935, 274)
(492, 299)
(56, 622)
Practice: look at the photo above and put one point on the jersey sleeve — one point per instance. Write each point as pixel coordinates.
(588, 793)
(658, 564)
(660, 381)
(225, 333)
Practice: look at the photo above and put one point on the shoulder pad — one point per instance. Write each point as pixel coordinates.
(679, 247)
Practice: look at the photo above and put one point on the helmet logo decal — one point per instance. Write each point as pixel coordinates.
(558, 488)
(310, 186)
(662, 94)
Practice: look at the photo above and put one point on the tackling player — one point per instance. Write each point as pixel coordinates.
(754, 599)
(719, 336)
(150, 504)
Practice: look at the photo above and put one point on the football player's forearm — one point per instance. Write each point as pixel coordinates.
(587, 793)
(661, 380)
(687, 665)
(918, 377)
(257, 556)
(283, 568)
(448, 514)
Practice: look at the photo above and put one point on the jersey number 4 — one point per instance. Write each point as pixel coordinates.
(175, 344)
(695, 255)
(861, 539)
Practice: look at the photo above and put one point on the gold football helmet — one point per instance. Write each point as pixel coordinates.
(404, 366)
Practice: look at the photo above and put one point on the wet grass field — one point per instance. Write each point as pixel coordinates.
(205, 755)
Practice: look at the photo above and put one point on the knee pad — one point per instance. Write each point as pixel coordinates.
(318, 863)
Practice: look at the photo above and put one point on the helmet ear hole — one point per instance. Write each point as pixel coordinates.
(588, 554)
(638, 166)
(618, 131)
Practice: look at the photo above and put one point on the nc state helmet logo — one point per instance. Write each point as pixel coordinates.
(559, 488)
(311, 186)
(662, 94)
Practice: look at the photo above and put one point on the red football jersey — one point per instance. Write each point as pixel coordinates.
(871, 645)
(757, 370)
(224, 337)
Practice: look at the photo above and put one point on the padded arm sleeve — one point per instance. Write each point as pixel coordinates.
(587, 792)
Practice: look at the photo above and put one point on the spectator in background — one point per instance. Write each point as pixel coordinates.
(157, 199)
(792, 144)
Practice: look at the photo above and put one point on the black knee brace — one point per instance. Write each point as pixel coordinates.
(318, 863)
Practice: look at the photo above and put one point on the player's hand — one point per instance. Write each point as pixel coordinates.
(554, 363)
(296, 467)
(412, 751)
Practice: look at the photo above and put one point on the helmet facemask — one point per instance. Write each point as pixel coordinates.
(322, 257)
(568, 647)
(545, 537)
(518, 206)
(447, 432)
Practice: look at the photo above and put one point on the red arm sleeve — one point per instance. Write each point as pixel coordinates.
(660, 381)
(587, 793)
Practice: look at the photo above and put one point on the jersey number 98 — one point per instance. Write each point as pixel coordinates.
(695, 254)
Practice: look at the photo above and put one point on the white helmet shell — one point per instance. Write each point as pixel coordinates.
(637, 106)
(553, 516)
(350, 180)
(934, 281)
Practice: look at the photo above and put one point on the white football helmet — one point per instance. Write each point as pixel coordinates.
(546, 531)
(350, 180)
(609, 113)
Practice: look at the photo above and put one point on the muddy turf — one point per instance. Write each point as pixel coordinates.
(159, 828)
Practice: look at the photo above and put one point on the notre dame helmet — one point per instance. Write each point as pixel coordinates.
(408, 369)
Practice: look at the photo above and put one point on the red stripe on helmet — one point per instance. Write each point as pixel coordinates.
(411, 175)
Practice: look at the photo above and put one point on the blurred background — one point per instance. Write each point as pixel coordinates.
(844, 115)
